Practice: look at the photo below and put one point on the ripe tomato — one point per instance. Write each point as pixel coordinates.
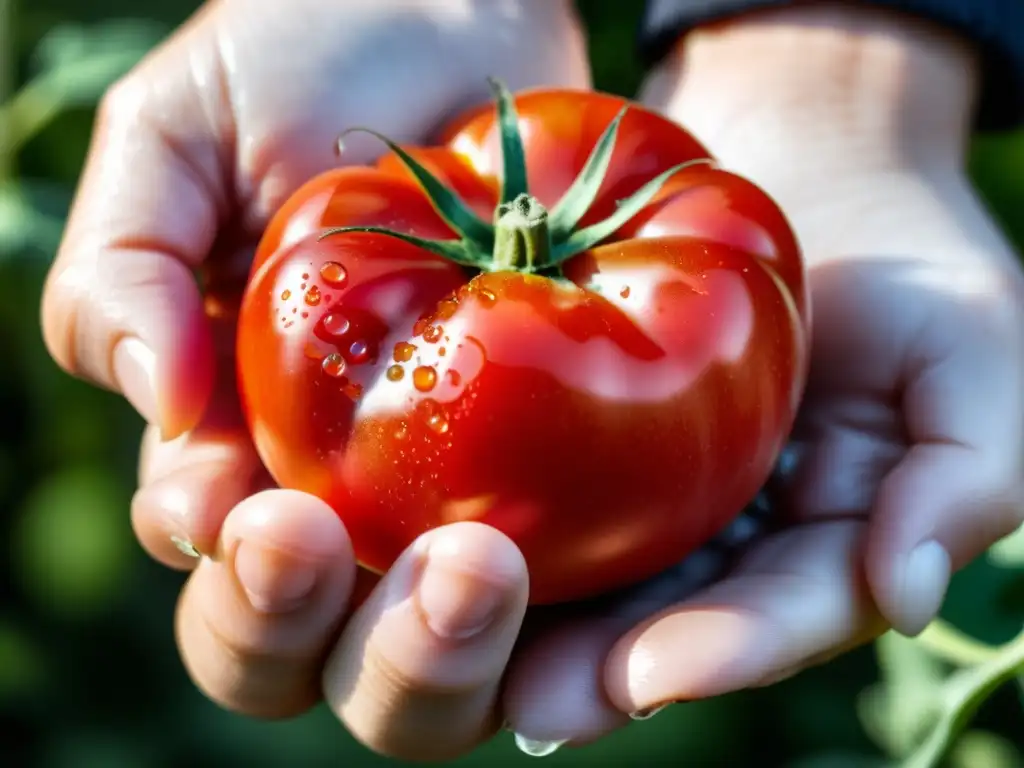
(609, 397)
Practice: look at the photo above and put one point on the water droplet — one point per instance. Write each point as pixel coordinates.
(438, 422)
(333, 365)
(304, 315)
(402, 433)
(353, 390)
(434, 416)
(305, 275)
(486, 296)
(395, 373)
(432, 333)
(286, 294)
(313, 296)
(446, 309)
(624, 293)
(454, 377)
(403, 352)
(424, 378)
(441, 352)
(335, 324)
(359, 351)
(334, 273)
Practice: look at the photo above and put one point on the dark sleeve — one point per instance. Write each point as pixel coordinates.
(997, 26)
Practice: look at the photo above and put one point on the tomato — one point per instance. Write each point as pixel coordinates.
(609, 397)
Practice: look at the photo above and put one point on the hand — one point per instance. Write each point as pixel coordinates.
(907, 461)
(192, 152)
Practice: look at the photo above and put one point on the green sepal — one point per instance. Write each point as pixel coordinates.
(581, 195)
(513, 156)
(462, 252)
(455, 213)
(587, 238)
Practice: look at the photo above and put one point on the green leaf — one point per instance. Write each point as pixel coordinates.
(456, 213)
(897, 713)
(1009, 552)
(581, 195)
(587, 238)
(513, 156)
(32, 217)
(75, 66)
(461, 252)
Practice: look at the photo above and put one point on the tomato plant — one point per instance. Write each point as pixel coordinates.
(565, 321)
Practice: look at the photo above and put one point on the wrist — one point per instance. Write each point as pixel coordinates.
(880, 89)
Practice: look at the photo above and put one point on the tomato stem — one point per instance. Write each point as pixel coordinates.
(522, 241)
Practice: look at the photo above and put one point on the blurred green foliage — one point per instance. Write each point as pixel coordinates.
(89, 675)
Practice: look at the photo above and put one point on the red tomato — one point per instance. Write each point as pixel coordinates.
(609, 422)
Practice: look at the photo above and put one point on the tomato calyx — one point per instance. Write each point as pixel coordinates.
(524, 236)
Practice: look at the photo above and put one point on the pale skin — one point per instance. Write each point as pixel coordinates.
(909, 449)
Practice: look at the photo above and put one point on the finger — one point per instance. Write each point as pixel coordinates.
(121, 307)
(959, 489)
(179, 516)
(797, 599)
(418, 667)
(254, 624)
(554, 692)
(187, 486)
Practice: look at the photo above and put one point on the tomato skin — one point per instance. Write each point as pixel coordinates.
(609, 425)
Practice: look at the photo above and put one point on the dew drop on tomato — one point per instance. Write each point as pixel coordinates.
(432, 333)
(454, 377)
(334, 273)
(313, 296)
(395, 373)
(438, 422)
(335, 324)
(359, 351)
(286, 294)
(424, 378)
(333, 365)
(446, 309)
(486, 296)
(403, 352)
(624, 293)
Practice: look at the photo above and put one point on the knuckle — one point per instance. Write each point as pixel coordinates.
(121, 102)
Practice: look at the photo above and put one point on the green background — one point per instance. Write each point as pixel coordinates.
(89, 675)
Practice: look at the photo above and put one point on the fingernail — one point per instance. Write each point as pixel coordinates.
(647, 713)
(185, 546)
(135, 371)
(456, 604)
(535, 748)
(923, 587)
(273, 581)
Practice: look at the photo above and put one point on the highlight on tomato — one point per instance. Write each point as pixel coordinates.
(565, 321)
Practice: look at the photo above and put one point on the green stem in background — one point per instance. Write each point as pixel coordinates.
(948, 643)
(961, 697)
(7, 62)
